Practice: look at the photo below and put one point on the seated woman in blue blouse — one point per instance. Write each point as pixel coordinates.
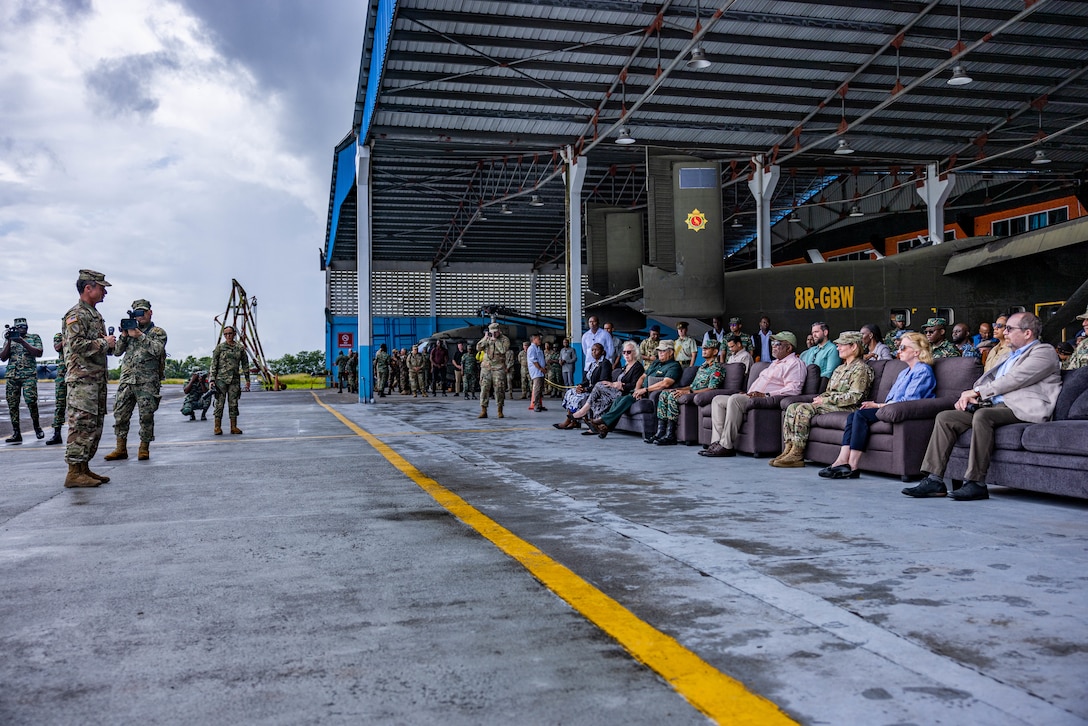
(916, 382)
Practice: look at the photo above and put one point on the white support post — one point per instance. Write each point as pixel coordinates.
(364, 263)
(935, 192)
(574, 175)
(762, 186)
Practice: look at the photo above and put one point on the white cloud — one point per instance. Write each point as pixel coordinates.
(133, 146)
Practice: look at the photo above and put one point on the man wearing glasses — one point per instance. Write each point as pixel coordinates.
(1023, 388)
(934, 330)
(229, 362)
(86, 345)
(784, 377)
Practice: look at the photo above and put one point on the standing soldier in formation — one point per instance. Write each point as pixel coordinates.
(523, 364)
(735, 325)
(469, 367)
(144, 349)
(229, 361)
(60, 390)
(86, 346)
(405, 374)
(353, 372)
(493, 369)
(381, 370)
(416, 363)
(341, 364)
(22, 349)
(510, 361)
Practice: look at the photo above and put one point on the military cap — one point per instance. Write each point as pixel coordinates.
(655, 328)
(493, 326)
(712, 343)
(140, 304)
(899, 318)
(1083, 317)
(664, 345)
(848, 337)
(92, 276)
(935, 323)
(682, 325)
(20, 321)
(58, 338)
(785, 336)
(734, 321)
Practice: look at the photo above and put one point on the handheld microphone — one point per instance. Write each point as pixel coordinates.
(110, 330)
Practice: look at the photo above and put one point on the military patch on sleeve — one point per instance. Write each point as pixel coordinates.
(72, 319)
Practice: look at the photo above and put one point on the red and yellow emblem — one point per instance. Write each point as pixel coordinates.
(696, 220)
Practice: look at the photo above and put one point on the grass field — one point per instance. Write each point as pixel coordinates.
(293, 381)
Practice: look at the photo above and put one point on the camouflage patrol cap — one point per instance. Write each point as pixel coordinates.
(849, 337)
(734, 321)
(494, 326)
(785, 336)
(140, 304)
(92, 276)
(20, 321)
(712, 343)
(664, 345)
(1083, 317)
(58, 338)
(899, 318)
(935, 323)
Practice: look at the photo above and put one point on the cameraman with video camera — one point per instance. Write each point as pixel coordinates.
(143, 346)
(197, 395)
(22, 349)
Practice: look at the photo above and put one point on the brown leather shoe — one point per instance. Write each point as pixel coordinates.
(716, 450)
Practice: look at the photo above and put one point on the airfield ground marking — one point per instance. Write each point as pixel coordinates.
(722, 698)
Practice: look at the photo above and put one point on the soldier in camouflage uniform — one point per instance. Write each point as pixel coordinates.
(1079, 359)
(511, 361)
(144, 351)
(846, 390)
(353, 372)
(381, 370)
(899, 325)
(524, 380)
(229, 362)
(22, 349)
(341, 364)
(405, 376)
(710, 375)
(86, 346)
(935, 332)
(493, 370)
(416, 363)
(735, 325)
(469, 368)
(60, 390)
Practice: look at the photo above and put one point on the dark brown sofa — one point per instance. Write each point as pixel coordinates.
(691, 404)
(897, 441)
(1050, 457)
(641, 418)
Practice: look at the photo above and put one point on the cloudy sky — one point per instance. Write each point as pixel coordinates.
(173, 145)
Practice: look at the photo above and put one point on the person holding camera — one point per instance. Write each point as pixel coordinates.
(60, 391)
(86, 345)
(196, 396)
(22, 349)
(143, 346)
(229, 362)
(495, 346)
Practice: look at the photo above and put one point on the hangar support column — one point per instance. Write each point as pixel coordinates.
(935, 192)
(762, 185)
(574, 175)
(364, 264)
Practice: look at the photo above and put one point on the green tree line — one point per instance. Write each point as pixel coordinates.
(307, 361)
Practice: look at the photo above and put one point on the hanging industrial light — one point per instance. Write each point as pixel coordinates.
(1040, 157)
(844, 147)
(855, 211)
(624, 136)
(959, 76)
(698, 58)
(505, 210)
(959, 73)
(534, 201)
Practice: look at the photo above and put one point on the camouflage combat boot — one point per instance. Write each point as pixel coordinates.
(121, 452)
(218, 430)
(145, 451)
(86, 469)
(234, 426)
(77, 478)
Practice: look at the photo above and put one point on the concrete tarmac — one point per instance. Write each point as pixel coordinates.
(294, 575)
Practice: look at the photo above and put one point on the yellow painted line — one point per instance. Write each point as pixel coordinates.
(723, 699)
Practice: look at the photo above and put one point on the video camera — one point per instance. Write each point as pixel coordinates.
(130, 323)
(12, 333)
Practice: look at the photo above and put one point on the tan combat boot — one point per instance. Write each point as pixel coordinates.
(145, 451)
(121, 452)
(793, 458)
(234, 426)
(218, 430)
(500, 413)
(483, 412)
(77, 478)
(87, 470)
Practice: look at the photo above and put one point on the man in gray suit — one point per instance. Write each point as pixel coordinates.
(1023, 388)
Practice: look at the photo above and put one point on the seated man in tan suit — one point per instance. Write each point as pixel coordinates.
(1023, 388)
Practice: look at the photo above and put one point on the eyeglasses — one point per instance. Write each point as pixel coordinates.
(999, 325)
(1016, 327)
(628, 352)
(776, 343)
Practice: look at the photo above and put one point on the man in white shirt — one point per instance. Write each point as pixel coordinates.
(595, 335)
(738, 353)
(784, 377)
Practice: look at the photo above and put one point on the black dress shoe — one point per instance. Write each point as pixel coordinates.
(931, 486)
(591, 432)
(848, 474)
(970, 491)
(828, 472)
